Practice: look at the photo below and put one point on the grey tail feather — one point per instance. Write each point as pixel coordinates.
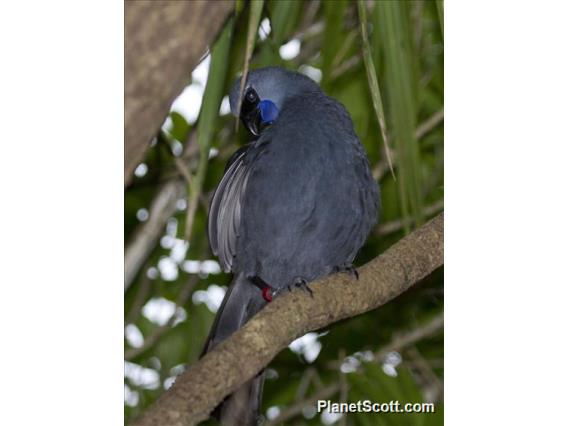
(241, 302)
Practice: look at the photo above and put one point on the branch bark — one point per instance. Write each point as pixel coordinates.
(237, 359)
(163, 43)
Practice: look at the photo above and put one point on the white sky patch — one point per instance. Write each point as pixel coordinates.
(213, 152)
(133, 336)
(308, 346)
(179, 250)
(159, 310)
(312, 72)
(169, 382)
(367, 356)
(264, 29)
(201, 71)
(152, 273)
(146, 378)
(225, 107)
(155, 363)
(212, 297)
(168, 269)
(188, 103)
(290, 50)
(141, 170)
(329, 418)
(177, 148)
(131, 397)
(167, 241)
(205, 267)
(171, 226)
(181, 204)
(350, 365)
(142, 215)
(168, 125)
(176, 370)
(181, 316)
(210, 267)
(272, 412)
(309, 412)
(191, 266)
(392, 360)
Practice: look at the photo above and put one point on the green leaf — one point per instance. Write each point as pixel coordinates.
(208, 117)
(440, 7)
(333, 35)
(180, 128)
(255, 13)
(373, 82)
(389, 20)
(283, 18)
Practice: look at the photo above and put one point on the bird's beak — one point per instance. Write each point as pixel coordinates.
(252, 120)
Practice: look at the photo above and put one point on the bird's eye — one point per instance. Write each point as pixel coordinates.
(251, 96)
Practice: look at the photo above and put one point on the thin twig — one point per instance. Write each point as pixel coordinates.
(432, 381)
(401, 341)
(344, 49)
(374, 83)
(429, 124)
(182, 169)
(305, 381)
(346, 66)
(405, 340)
(343, 388)
(254, 20)
(147, 234)
(399, 224)
(152, 339)
(382, 167)
(140, 298)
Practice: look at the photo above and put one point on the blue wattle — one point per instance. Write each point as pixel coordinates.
(268, 111)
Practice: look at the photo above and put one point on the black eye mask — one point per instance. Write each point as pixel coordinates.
(257, 114)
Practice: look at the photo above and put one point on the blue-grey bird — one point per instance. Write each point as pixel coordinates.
(294, 205)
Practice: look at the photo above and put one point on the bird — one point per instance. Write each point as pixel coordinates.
(294, 204)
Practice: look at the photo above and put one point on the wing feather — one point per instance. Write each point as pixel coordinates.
(225, 211)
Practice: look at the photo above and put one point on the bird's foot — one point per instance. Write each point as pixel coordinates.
(302, 283)
(347, 268)
(298, 282)
(267, 291)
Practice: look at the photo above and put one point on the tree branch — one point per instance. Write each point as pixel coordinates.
(163, 43)
(237, 359)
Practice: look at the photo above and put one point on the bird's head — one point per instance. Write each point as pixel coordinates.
(265, 94)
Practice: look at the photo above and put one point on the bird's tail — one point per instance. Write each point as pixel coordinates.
(240, 303)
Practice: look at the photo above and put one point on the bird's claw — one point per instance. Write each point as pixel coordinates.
(303, 284)
(348, 268)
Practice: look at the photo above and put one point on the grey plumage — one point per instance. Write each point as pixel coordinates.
(295, 204)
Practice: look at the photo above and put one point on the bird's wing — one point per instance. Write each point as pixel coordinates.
(225, 211)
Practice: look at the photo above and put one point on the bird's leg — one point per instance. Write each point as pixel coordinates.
(303, 284)
(267, 291)
(348, 268)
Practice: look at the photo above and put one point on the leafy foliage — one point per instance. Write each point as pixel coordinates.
(169, 306)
